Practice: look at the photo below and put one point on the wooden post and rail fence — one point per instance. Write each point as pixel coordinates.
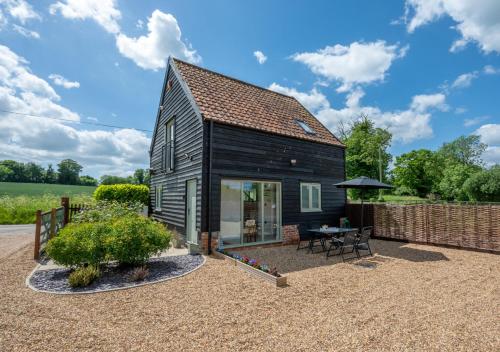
(469, 226)
(49, 223)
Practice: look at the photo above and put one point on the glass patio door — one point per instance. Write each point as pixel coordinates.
(250, 212)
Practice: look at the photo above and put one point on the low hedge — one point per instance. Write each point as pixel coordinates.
(124, 193)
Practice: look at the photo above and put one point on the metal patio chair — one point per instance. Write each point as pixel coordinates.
(345, 245)
(363, 241)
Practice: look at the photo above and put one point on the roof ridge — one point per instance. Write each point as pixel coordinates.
(233, 78)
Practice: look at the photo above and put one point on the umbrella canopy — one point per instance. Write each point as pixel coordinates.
(363, 182)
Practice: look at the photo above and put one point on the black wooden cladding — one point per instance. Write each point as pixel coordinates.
(187, 157)
(247, 154)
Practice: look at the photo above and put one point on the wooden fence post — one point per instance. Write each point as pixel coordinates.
(65, 205)
(38, 228)
(52, 223)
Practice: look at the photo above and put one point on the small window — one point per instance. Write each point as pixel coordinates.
(310, 197)
(158, 196)
(305, 127)
(169, 153)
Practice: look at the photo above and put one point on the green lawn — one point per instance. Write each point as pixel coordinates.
(20, 201)
(37, 189)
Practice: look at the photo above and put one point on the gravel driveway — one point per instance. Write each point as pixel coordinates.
(418, 298)
(15, 237)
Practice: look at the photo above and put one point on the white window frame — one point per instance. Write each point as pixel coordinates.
(158, 197)
(170, 145)
(309, 186)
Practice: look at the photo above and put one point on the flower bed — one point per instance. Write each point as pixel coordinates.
(253, 267)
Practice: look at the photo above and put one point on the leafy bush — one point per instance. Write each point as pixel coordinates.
(80, 244)
(83, 276)
(123, 193)
(135, 239)
(104, 211)
(484, 186)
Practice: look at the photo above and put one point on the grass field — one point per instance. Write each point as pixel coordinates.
(38, 189)
(20, 201)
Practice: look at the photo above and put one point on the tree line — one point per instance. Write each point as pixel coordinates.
(454, 172)
(68, 173)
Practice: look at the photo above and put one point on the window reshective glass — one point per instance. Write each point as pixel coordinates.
(158, 196)
(310, 197)
(305, 127)
(170, 145)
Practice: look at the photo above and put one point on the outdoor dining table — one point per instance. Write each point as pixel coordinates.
(324, 233)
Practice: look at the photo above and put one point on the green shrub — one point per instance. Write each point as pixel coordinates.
(84, 276)
(105, 211)
(123, 193)
(135, 239)
(79, 244)
(484, 186)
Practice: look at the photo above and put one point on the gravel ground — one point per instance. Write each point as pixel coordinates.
(113, 277)
(416, 298)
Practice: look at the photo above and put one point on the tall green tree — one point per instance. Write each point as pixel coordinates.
(139, 176)
(365, 143)
(69, 172)
(5, 173)
(88, 181)
(454, 176)
(18, 171)
(414, 172)
(50, 175)
(34, 172)
(466, 150)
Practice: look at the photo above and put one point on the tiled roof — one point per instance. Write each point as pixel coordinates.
(231, 101)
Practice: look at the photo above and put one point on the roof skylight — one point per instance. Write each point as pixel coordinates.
(305, 127)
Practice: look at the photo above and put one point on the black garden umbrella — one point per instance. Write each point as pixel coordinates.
(363, 183)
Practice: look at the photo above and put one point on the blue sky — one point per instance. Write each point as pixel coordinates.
(429, 71)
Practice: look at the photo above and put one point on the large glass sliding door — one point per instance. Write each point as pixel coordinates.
(250, 212)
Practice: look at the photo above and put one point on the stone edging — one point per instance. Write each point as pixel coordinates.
(27, 281)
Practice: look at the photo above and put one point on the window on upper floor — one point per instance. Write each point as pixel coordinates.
(168, 159)
(305, 127)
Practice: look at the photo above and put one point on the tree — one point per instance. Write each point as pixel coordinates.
(69, 171)
(484, 186)
(139, 176)
(364, 142)
(50, 175)
(5, 173)
(414, 172)
(114, 180)
(34, 173)
(454, 176)
(18, 173)
(88, 181)
(465, 150)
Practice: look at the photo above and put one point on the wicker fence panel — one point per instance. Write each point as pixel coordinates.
(467, 226)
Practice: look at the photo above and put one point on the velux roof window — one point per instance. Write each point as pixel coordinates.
(305, 127)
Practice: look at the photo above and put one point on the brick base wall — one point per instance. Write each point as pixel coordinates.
(290, 234)
(204, 241)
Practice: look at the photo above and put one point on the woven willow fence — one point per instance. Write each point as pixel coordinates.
(466, 226)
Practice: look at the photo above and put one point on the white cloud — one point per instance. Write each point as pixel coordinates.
(477, 20)
(464, 80)
(460, 110)
(424, 102)
(259, 55)
(163, 39)
(358, 63)
(25, 32)
(405, 125)
(491, 155)
(104, 12)
(490, 70)
(312, 101)
(139, 24)
(475, 121)
(489, 133)
(42, 140)
(63, 82)
(20, 10)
